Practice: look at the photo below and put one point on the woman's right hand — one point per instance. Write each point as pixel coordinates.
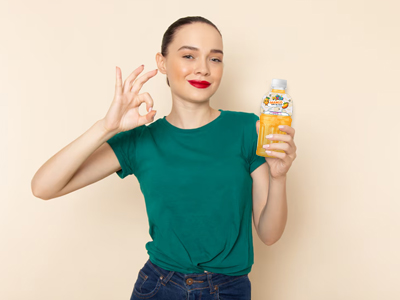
(124, 114)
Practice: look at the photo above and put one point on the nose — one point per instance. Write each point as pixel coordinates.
(202, 68)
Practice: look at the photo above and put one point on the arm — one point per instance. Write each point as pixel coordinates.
(269, 205)
(269, 182)
(88, 158)
(58, 171)
(274, 214)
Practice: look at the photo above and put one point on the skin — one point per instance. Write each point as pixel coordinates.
(190, 105)
(269, 187)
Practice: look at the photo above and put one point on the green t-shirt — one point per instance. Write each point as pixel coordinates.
(197, 189)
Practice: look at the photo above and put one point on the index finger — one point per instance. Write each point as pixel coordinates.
(132, 77)
(137, 85)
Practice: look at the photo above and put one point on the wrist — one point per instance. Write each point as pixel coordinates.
(278, 179)
(101, 123)
(104, 132)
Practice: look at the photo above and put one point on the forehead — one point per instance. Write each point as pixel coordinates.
(199, 35)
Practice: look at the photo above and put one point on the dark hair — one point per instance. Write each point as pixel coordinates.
(170, 33)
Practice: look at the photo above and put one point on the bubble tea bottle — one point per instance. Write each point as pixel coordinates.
(276, 109)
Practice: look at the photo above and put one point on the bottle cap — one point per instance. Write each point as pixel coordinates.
(279, 83)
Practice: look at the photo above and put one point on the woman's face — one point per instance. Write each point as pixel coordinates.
(183, 65)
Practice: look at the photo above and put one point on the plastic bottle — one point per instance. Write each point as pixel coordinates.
(276, 109)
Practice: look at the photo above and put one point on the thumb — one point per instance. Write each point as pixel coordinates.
(147, 118)
(150, 116)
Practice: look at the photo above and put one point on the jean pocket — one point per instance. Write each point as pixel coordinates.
(238, 288)
(147, 284)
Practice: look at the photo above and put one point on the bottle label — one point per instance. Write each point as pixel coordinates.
(277, 104)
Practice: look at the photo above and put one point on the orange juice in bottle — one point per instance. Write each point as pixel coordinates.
(276, 109)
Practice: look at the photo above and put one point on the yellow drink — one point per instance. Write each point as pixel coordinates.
(276, 109)
(269, 125)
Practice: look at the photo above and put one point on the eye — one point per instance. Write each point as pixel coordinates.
(217, 59)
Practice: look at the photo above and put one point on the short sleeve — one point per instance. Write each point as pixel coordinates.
(254, 160)
(124, 146)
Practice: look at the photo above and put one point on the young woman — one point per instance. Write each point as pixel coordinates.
(197, 168)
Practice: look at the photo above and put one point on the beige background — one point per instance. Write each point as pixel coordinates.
(341, 60)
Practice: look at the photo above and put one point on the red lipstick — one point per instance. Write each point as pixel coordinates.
(201, 84)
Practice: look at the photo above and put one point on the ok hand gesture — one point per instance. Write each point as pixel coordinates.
(124, 114)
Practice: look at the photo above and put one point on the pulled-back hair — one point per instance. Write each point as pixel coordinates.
(170, 32)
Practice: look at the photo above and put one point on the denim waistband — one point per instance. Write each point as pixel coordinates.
(193, 280)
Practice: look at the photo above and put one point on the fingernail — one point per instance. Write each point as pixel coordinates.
(269, 136)
(280, 126)
(150, 109)
(266, 146)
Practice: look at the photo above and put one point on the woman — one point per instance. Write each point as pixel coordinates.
(197, 168)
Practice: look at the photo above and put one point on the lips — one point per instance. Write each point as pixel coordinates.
(199, 83)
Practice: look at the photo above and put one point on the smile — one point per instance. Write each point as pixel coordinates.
(199, 84)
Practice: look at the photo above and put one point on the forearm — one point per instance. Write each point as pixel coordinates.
(274, 215)
(61, 167)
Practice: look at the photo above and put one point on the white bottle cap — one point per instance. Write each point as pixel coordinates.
(279, 83)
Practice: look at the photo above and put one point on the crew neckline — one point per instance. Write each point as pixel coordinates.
(193, 130)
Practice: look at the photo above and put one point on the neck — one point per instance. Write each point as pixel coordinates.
(190, 118)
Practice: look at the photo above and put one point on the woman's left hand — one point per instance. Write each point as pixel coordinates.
(279, 164)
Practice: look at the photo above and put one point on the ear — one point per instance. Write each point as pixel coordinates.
(160, 60)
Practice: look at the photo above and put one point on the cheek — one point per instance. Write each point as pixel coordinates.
(218, 71)
(180, 69)
(184, 68)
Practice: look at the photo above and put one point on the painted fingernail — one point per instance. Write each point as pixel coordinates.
(269, 136)
(268, 151)
(266, 146)
(150, 109)
(280, 126)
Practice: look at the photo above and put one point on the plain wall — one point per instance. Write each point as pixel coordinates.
(341, 61)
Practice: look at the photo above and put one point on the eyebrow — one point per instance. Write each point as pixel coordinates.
(197, 49)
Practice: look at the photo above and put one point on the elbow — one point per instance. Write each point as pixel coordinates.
(42, 198)
(270, 243)
(37, 195)
(36, 192)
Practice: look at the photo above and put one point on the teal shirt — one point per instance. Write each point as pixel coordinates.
(197, 189)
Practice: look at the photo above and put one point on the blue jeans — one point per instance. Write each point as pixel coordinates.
(154, 282)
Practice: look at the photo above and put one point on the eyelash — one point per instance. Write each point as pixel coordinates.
(192, 56)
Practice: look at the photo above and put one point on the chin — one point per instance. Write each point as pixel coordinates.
(192, 98)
